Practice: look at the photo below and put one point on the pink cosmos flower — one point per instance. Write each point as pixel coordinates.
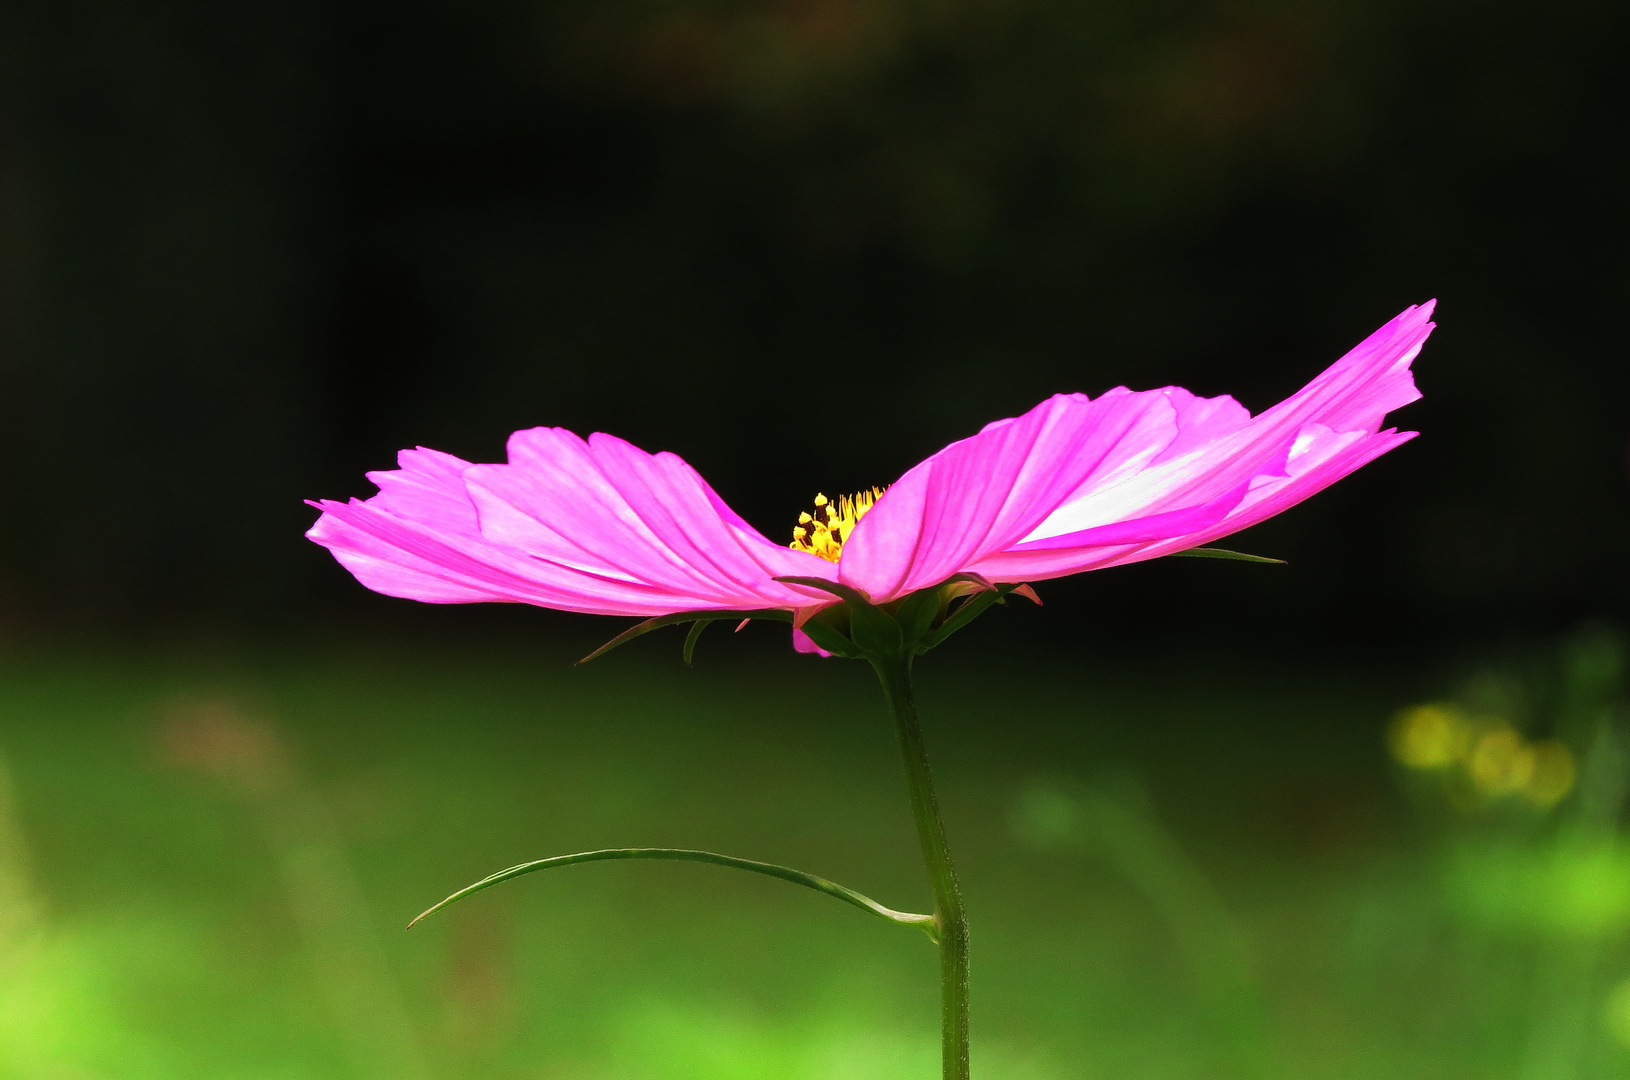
(598, 525)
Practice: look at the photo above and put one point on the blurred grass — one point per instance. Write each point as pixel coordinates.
(206, 866)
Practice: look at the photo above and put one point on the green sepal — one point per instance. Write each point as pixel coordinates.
(858, 629)
(831, 639)
(874, 630)
(971, 608)
(917, 614)
(1224, 553)
(641, 629)
(696, 629)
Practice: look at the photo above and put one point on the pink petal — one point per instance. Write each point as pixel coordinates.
(1201, 420)
(598, 525)
(419, 538)
(1325, 458)
(421, 563)
(1353, 394)
(1150, 527)
(802, 642)
(985, 493)
(616, 532)
(1322, 457)
(1252, 469)
(603, 506)
(400, 557)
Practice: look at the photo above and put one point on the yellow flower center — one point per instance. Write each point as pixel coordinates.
(823, 532)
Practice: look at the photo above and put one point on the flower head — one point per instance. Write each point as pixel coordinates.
(1077, 483)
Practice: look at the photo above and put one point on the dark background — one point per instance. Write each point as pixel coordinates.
(248, 251)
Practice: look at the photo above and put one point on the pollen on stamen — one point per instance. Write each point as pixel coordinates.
(824, 532)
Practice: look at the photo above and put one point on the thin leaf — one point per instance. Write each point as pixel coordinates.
(836, 588)
(925, 923)
(696, 629)
(641, 629)
(971, 578)
(1224, 553)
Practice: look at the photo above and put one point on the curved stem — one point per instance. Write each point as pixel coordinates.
(952, 920)
(926, 923)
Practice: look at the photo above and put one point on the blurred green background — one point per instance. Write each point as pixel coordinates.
(206, 864)
(1357, 816)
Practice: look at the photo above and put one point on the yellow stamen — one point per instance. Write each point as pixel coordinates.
(825, 538)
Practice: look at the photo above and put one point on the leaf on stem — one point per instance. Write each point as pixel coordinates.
(641, 629)
(925, 923)
(696, 629)
(847, 593)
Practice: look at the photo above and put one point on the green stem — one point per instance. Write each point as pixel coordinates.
(952, 920)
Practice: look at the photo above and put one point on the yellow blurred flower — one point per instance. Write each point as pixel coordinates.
(1430, 736)
(1553, 774)
(1501, 763)
(1483, 758)
(1616, 1015)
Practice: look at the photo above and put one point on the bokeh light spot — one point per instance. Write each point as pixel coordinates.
(1430, 736)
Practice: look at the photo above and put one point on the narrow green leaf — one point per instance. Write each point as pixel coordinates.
(968, 577)
(696, 629)
(637, 630)
(641, 629)
(836, 588)
(1224, 553)
(926, 923)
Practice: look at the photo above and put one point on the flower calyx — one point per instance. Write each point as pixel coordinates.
(856, 628)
